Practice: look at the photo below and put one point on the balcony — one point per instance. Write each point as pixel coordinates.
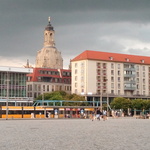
(129, 69)
(130, 88)
(132, 81)
(129, 75)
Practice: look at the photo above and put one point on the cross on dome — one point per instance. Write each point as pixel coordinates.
(49, 18)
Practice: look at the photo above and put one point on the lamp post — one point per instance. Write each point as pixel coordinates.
(43, 96)
(7, 95)
(101, 96)
(101, 99)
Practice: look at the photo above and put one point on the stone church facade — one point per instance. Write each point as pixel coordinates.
(48, 74)
(49, 56)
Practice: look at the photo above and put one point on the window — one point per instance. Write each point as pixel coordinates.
(137, 67)
(47, 87)
(118, 79)
(112, 91)
(112, 85)
(119, 86)
(112, 79)
(142, 60)
(143, 68)
(75, 84)
(76, 78)
(143, 74)
(76, 71)
(39, 87)
(111, 58)
(118, 73)
(112, 72)
(76, 65)
(35, 87)
(112, 66)
(43, 87)
(76, 91)
(82, 78)
(118, 66)
(82, 64)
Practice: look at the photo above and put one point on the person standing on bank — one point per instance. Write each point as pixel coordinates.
(104, 115)
(93, 115)
(98, 114)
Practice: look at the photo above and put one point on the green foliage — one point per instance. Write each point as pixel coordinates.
(61, 95)
(140, 104)
(120, 103)
(123, 103)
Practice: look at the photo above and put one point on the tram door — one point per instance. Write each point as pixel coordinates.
(75, 113)
(68, 112)
(56, 113)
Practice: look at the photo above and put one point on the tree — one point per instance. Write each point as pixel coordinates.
(61, 95)
(140, 104)
(137, 104)
(121, 103)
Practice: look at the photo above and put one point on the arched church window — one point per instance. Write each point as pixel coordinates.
(46, 37)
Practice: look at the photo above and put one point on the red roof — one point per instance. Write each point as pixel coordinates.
(114, 57)
(36, 73)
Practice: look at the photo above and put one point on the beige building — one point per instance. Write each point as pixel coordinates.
(49, 56)
(101, 74)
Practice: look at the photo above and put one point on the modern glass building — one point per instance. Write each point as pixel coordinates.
(13, 82)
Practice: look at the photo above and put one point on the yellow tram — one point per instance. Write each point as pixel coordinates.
(12, 112)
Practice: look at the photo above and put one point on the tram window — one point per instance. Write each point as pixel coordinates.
(3, 111)
(28, 111)
(38, 112)
(45, 104)
(15, 112)
(61, 112)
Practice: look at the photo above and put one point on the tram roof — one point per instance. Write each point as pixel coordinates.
(62, 101)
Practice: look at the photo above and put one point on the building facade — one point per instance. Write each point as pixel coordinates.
(106, 74)
(49, 56)
(13, 85)
(45, 80)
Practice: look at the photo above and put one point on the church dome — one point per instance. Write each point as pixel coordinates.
(49, 27)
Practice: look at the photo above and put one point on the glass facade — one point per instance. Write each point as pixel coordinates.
(14, 83)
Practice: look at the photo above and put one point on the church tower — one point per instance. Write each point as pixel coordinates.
(49, 56)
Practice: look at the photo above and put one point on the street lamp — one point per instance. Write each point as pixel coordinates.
(7, 95)
(43, 96)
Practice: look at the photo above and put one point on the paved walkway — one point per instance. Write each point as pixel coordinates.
(75, 134)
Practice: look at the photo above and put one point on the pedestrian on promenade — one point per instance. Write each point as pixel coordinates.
(104, 115)
(93, 115)
(98, 114)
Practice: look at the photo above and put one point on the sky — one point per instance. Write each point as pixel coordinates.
(117, 26)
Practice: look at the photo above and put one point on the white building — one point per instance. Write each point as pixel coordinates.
(111, 75)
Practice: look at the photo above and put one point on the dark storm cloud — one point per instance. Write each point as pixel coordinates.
(79, 24)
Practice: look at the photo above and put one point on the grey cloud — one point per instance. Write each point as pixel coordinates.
(143, 52)
(79, 25)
